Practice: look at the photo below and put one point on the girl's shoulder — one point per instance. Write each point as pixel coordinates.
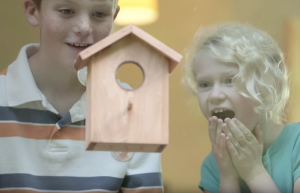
(291, 129)
(288, 138)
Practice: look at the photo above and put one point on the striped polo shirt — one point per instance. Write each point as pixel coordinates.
(42, 151)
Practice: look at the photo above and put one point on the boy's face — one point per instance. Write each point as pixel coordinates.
(69, 26)
(216, 92)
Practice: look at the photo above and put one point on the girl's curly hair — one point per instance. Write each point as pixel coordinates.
(262, 75)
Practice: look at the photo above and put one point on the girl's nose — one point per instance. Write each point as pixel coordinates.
(217, 95)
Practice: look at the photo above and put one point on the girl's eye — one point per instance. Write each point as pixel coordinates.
(204, 84)
(99, 14)
(66, 11)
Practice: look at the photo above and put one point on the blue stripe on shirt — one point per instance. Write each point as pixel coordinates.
(26, 115)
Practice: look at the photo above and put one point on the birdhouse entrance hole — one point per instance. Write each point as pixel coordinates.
(131, 73)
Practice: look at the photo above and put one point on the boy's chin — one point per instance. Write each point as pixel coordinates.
(70, 67)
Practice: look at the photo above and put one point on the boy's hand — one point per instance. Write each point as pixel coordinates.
(245, 149)
(219, 148)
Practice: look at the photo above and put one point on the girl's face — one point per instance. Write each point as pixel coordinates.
(217, 95)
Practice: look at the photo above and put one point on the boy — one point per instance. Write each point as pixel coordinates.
(42, 109)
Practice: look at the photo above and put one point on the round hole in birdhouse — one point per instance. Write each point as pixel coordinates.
(130, 75)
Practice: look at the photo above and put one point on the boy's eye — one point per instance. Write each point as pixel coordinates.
(99, 14)
(229, 81)
(204, 84)
(66, 11)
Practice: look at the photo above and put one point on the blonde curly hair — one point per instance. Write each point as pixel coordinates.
(262, 76)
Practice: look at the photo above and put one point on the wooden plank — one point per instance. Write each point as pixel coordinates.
(125, 147)
(172, 55)
(112, 38)
(109, 121)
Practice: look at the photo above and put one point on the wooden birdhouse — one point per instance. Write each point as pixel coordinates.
(119, 119)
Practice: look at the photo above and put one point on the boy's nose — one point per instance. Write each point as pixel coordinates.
(217, 95)
(82, 27)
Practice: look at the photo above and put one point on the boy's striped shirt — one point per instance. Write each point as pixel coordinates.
(42, 151)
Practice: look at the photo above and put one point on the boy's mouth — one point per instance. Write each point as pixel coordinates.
(223, 114)
(79, 46)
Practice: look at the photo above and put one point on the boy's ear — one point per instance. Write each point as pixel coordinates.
(31, 12)
(116, 12)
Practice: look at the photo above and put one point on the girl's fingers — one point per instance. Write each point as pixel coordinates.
(223, 145)
(229, 135)
(247, 133)
(219, 130)
(258, 134)
(232, 150)
(212, 129)
(236, 132)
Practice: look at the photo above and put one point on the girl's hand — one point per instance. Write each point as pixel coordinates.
(219, 148)
(245, 149)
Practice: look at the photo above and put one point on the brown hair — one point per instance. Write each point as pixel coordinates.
(37, 3)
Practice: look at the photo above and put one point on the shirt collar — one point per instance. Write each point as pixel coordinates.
(20, 85)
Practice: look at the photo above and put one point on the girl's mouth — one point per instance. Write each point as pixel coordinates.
(223, 114)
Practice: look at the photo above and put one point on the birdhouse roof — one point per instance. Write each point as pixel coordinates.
(172, 55)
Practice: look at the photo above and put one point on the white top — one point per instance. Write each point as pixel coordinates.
(42, 151)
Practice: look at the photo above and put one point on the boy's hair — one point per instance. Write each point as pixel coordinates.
(38, 3)
(262, 75)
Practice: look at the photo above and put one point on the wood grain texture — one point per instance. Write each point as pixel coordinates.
(109, 124)
(83, 57)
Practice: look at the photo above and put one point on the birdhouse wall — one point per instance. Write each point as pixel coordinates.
(109, 124)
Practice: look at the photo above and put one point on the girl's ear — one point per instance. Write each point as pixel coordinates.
(31, 12)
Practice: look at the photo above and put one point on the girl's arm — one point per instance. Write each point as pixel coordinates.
(297, 186)
(229, 185)
(229, 182)
(263, 183)
(246, 153)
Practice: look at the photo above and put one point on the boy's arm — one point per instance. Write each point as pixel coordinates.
(143, 174)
